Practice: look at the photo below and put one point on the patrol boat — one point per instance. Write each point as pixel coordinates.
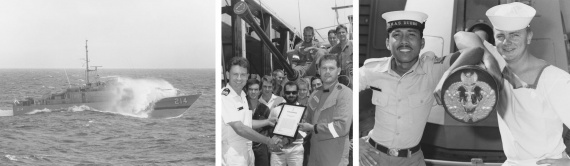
(445, 140)
(101, 96)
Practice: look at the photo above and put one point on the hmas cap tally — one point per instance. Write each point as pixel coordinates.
(405, 19)
(511, 16)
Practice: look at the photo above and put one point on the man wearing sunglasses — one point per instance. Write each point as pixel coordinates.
(293, 150)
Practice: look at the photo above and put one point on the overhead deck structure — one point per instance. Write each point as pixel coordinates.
(240, 38)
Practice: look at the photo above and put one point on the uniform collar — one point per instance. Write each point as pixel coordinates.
(330, 89)
(273, 97)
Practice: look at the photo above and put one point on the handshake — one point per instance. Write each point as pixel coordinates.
(276, 144)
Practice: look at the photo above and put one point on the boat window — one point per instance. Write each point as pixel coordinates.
(433, 44)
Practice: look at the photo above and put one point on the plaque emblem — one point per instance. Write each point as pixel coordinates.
(470, 99)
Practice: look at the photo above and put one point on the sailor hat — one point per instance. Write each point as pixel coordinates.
(511, 16)
(405, 19)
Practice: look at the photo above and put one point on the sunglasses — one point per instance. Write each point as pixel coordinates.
(290, 92)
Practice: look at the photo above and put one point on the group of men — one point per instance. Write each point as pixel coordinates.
(251, 107)
(532, 107)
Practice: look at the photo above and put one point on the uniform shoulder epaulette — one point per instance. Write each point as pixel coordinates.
(226, 91)
(376, 60)
(431, 56)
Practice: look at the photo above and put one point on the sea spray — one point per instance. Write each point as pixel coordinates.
(134, 97)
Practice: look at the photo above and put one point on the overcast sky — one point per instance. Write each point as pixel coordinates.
(315, 13)
(121, 33)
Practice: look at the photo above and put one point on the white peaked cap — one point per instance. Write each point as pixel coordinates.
(405, 15)
(511, 16)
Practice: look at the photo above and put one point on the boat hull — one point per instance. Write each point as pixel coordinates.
(172, 107)
(24, 110)
(169, 107)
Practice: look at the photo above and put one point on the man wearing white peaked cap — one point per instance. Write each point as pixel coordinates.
(402, 87)
(534, 102)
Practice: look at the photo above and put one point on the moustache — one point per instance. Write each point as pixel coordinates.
(404, 46)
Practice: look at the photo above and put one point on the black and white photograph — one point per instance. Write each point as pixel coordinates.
(281, 53)
(459, 82)
(106, 82)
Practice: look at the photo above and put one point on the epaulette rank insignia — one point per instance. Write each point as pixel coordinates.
(376, 89)
(226, 91)
(438, 60)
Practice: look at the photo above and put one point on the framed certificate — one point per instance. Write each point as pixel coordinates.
(288, 119)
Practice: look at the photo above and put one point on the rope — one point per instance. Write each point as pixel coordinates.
(299, 11)
(336, 12)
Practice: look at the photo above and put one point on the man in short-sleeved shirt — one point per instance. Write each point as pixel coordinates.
(293, 150)
(302, 57)
(403, 87)
(237, 132)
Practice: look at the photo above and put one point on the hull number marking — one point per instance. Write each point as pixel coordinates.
(180, 100)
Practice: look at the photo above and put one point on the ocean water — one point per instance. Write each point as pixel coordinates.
(83, 137)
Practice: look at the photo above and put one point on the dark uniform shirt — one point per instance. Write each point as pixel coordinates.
(345, 57)
(330, 110)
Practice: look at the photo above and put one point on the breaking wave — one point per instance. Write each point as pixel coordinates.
(135, 97)
(38, 111)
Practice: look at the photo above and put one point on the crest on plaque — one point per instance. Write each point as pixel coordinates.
(469, 94)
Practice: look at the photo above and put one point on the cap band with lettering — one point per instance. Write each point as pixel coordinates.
(405, 24)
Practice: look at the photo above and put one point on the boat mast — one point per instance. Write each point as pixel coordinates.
(87, 70)
(87, 64)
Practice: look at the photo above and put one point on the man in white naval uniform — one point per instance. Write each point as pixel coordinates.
(533, 105)
(237, 132)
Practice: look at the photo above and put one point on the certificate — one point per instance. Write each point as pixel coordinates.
(288, 119)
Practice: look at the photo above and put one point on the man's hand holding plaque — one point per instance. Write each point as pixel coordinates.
(288, 119)
(306, 127)
(271, 121)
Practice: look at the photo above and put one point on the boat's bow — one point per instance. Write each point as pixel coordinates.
(172, 107)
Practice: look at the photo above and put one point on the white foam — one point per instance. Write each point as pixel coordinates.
(38, 111)
(135, 97)
(175, 117)
(78, 108)
(11, 157)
